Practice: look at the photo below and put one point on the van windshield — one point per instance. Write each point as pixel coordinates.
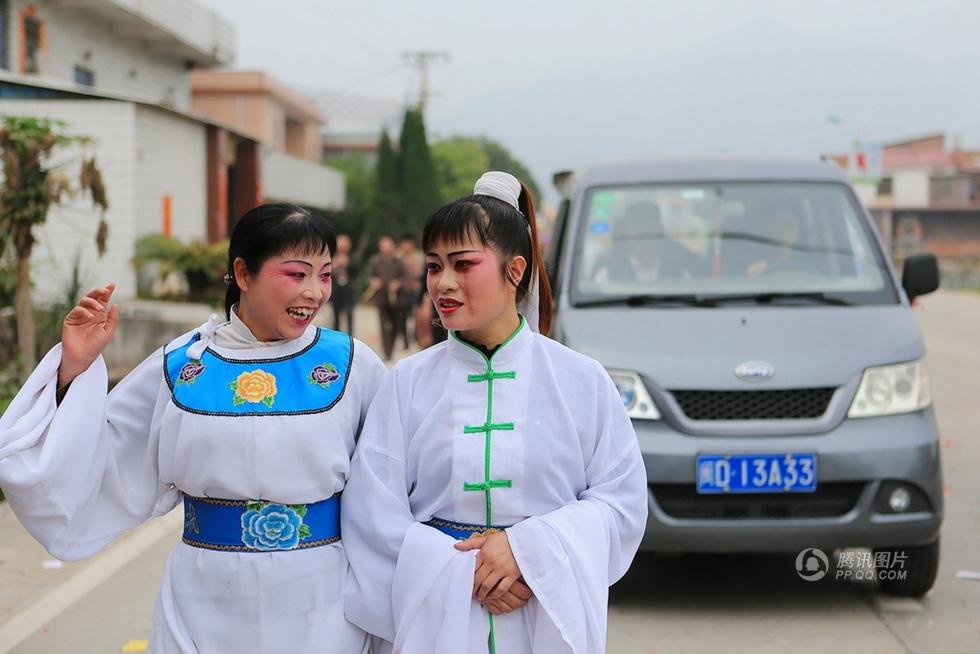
(708, 243)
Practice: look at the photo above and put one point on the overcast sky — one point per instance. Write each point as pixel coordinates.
(572, 82)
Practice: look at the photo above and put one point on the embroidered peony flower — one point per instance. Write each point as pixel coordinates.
(323, 375)
(256, 386)
(190, 372)
(272, 527)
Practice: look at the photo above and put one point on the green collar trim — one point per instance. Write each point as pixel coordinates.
(501, 347)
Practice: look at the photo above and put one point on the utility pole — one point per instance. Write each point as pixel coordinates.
(421, 60)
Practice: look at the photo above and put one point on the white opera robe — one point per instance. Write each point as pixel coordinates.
(534, 439)
(80, 473)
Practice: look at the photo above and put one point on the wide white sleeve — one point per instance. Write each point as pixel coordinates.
(570, 556)
(372, 372)
(80, 473)
(407, 584)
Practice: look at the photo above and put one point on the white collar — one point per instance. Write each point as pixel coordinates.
(230, 334)
(235, 334)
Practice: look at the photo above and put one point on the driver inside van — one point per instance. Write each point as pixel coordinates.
(782, 229)
(642, 251)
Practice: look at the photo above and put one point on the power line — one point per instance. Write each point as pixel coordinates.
(370, 77)
(421, 60)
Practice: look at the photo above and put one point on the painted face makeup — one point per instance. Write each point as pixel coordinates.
(469, 291)
(283, 298)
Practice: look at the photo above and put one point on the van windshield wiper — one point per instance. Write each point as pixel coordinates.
(771, 298)
(693, 300)
(648, 299)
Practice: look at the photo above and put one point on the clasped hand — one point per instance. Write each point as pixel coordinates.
(497, 582)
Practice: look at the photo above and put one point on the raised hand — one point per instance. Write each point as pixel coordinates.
(496, 567)
(86, 332)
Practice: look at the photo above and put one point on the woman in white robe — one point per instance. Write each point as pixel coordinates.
(500, 429)
(252, 420)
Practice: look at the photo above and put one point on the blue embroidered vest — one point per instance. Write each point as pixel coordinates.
(310, 381)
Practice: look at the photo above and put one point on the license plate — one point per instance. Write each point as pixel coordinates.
(757, 473)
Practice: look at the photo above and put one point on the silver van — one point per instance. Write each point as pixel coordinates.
(766, 352)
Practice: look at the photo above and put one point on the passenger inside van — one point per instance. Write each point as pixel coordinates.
(643, 251)
(783, 230)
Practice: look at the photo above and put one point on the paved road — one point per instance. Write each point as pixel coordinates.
(729, 603)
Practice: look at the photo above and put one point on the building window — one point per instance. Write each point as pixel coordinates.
(32, 40)
(4, 27)
(84, 76)
(944, 185)
(32, 44)
(885, 186)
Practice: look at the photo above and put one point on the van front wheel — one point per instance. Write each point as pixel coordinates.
(919, 563)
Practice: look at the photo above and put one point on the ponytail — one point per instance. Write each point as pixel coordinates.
(536, 265)
(233, 294)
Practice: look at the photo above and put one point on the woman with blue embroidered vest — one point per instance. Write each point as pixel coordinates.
(250, 421)
(497, 489)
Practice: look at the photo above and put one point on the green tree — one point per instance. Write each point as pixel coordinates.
(386, 191)
(29, 189)
(501, 159)
(359, 176)
(418, 192)
(459, 162)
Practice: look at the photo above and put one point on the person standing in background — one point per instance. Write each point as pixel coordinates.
(409, 293)
(428, 329)
(343, 299)
(387, 272)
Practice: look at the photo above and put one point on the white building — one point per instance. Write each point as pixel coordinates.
(148, 156)
(118, 71)
(115, 71)
(138, 49)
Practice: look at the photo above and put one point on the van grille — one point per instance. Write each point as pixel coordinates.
(754, 405)
(831, 499)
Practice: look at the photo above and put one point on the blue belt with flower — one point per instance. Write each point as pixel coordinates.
(259, 526)
(460, 530)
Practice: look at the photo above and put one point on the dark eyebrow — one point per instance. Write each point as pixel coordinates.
(453, 254)
(305, 263)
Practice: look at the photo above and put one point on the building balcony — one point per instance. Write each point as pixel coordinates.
(178, 28)
(286, 178)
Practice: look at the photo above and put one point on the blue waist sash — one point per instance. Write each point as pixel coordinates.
(459, 530)
(260, 526)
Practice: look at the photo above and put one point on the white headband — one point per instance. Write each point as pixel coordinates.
(500, 185)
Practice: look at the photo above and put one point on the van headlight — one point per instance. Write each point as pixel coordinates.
(635, 396)
(887, 390)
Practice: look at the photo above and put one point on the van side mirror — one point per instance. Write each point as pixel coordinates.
(920, 275)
